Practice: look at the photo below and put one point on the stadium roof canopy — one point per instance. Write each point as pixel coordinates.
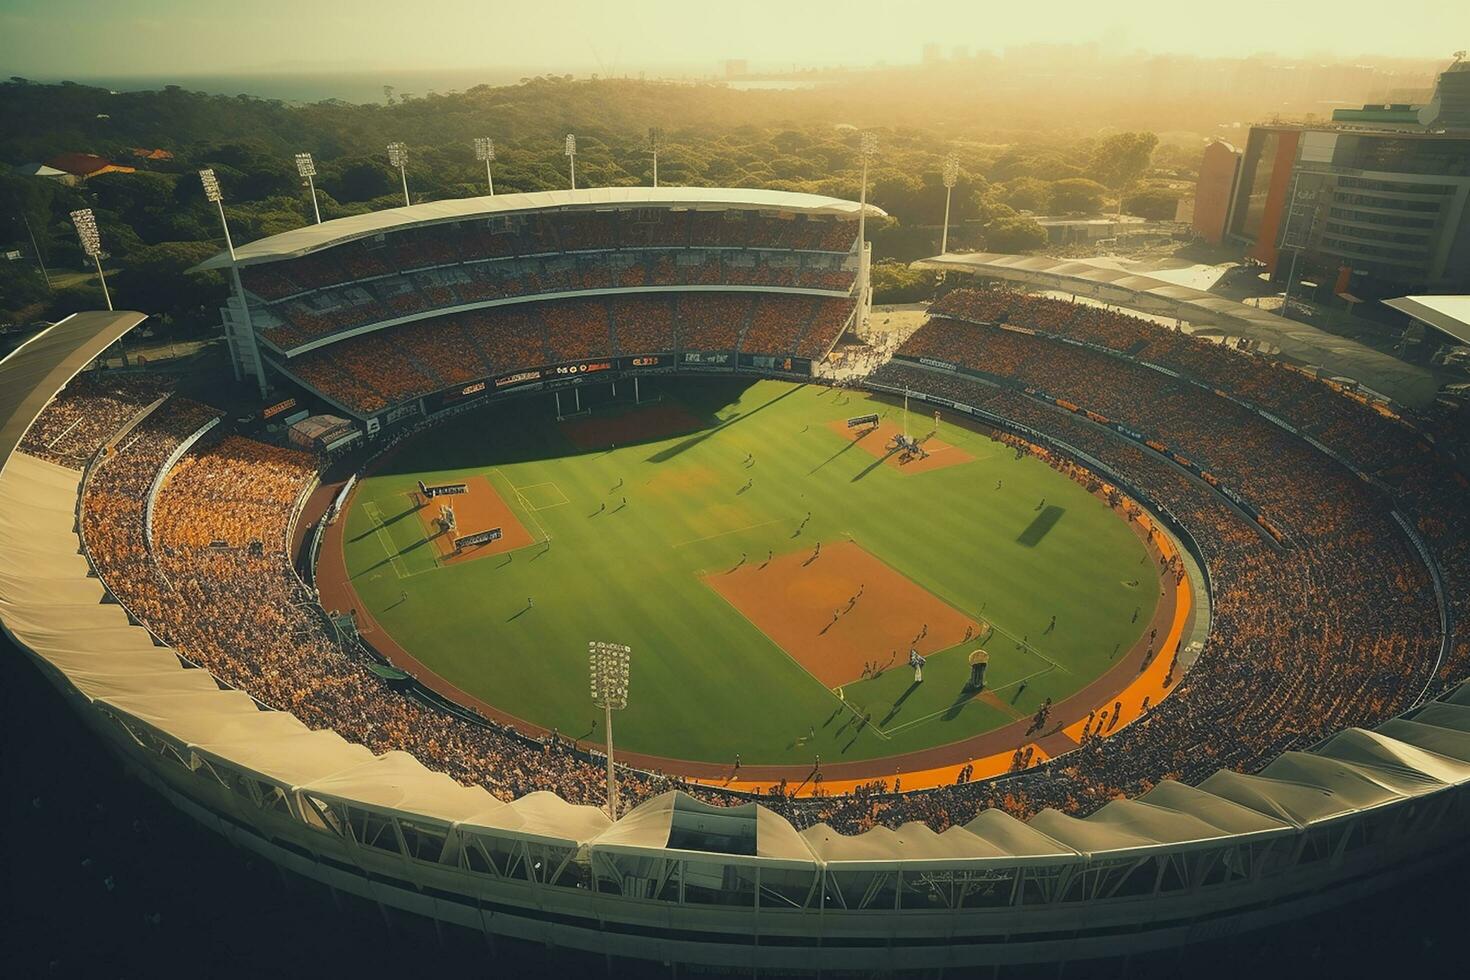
(35, 371)
(1299, 343)
(1448, 314)
(300, 241)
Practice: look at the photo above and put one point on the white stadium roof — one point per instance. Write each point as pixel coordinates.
(300, 241)
(1450, 314)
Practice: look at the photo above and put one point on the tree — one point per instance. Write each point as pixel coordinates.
(1014, 234)
(1120, 159)
(1153, 203)
(1076, 194)
(894, 282)
(1027, 194)
(156, 279)
(359, 180)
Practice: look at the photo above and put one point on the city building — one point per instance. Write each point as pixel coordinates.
(1371, 205)
(1217, 175)
(1369, 212)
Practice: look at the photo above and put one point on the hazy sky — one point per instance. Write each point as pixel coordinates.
(80, 38)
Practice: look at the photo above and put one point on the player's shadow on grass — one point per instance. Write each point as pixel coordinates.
(851, 443)
(898, 705)
(958, 705)
(372, 568)
(874, 465)
(1041, 526)
(392, 520)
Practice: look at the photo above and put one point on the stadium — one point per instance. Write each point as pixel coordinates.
(1031, 630)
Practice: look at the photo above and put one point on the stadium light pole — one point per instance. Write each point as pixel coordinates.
(91, 240)
(608, 663)
(867, 149)
(485, 151)
(398, 157)
(654, 135)
(951, 174)
(571, 151)
(212, 194)
(306, 167)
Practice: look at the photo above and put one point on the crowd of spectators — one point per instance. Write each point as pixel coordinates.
(388, 367)
(217, 585)
(1335, 624)
(88, 411)
(324, 312)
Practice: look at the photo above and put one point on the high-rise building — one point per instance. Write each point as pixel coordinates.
(933, 53)
(1452, 97)
(1371, 212)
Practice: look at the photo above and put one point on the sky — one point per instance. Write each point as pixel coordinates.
(49, 39)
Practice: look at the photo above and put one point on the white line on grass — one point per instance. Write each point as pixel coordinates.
(831, 692)
(737, 530)
(381, 533)
(935, 714)
(533, 486)
(525, 504)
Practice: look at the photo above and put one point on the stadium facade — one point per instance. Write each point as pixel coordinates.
(1373, 213)
(676, 880)
(308, 305)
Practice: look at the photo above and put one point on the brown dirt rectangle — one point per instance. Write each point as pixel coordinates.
(792, 598)
(479, 508)
(878, 442)
(640, 425)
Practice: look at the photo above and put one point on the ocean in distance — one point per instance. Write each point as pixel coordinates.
(361, 86)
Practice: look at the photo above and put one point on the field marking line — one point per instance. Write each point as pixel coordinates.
(737, 530)
(525, 504)
(380, 531)
(935, 714)
(533, 486)
(831, 693)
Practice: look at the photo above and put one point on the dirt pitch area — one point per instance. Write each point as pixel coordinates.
(878, 442)
(625, 428)
(478, 509)
(792, 598)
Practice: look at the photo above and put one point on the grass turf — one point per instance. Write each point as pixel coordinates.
(705, 683)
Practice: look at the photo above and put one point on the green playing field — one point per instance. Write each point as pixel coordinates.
(1000, 538)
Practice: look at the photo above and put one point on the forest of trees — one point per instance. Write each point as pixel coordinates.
(155, 223)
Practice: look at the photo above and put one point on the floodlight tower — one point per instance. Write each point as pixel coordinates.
(654, 136)
(86, 223)
(951, 175)
(609, 671)
(306, 167)
(571, 151)
(867, 149)
(485, 151)
(398, 157)
(212, 193)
